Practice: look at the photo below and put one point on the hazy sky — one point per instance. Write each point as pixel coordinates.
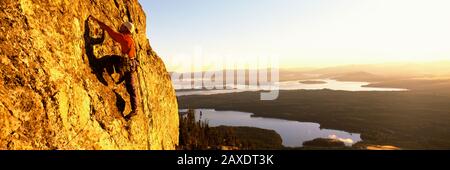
(303, 33)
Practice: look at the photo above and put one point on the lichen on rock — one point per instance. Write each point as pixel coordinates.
(53, 97)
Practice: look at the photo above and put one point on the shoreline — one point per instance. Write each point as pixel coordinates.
(320, 106)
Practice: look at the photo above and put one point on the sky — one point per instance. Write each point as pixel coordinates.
(300, 33)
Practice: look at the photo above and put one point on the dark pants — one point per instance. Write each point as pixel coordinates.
(130, 83)
(128, 72)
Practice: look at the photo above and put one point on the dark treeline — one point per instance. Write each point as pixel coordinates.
(198, 135)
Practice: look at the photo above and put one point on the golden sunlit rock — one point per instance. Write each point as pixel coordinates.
(51, 97)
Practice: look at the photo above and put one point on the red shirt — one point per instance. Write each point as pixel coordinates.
(125, 40)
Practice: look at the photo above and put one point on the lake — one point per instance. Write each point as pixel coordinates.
(293, 133)
(292, 85)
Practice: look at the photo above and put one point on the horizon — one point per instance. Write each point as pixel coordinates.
(342, 65)
(300, 34)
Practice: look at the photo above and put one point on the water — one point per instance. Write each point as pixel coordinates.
(293, 133)
(293, 85)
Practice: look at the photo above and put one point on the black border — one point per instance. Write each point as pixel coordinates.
(282, 159)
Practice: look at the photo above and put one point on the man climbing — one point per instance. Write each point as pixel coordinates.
(128, 62)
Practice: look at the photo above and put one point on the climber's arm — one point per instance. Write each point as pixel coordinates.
(118, 37)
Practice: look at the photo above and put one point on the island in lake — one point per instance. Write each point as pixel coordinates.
(312, 82)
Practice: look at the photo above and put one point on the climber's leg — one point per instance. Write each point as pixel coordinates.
(110, 62)
(130, 81)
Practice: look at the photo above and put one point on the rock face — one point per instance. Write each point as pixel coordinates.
(52, 94)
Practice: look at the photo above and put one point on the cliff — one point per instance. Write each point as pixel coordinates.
(52, 94)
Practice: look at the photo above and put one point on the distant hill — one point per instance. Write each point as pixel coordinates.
(392, 70)
(361, 72)
(438, 85)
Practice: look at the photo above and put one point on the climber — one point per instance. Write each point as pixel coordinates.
(129, 63)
